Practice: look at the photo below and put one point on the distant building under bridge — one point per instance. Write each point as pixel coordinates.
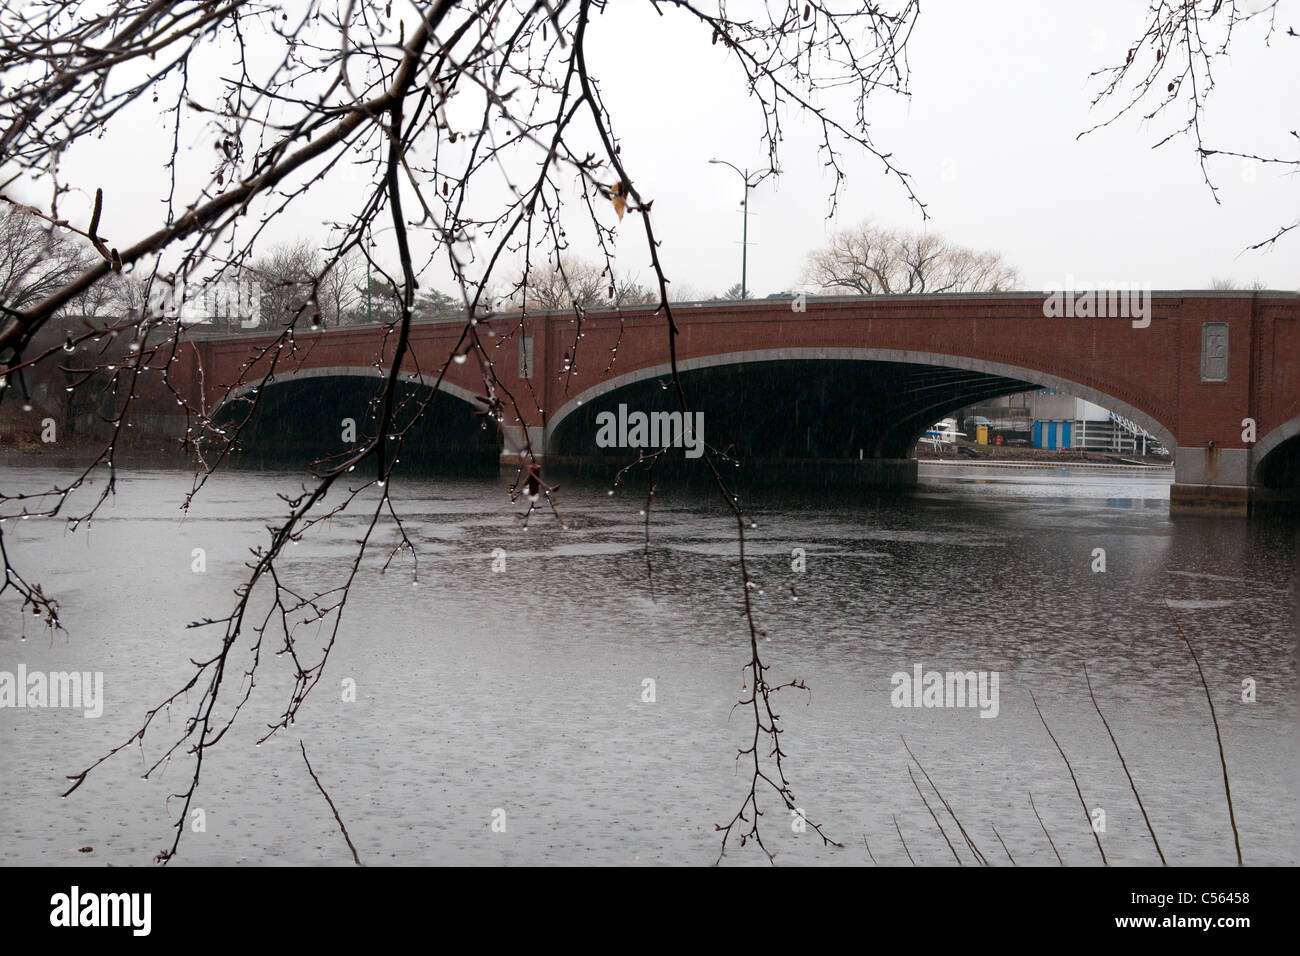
(1051, 418)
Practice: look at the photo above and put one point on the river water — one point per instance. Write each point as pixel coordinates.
(502, 716)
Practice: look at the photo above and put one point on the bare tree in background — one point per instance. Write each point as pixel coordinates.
(293, 284)
(689, 293)
(874, 260)
(35, 260)
(1225, 285)
(132, 294)
(339, 290)
(294, 279)
(576, 284)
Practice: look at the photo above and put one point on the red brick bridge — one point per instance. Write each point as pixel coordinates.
(845, 379)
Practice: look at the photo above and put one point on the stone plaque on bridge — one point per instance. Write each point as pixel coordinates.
(1214, 352)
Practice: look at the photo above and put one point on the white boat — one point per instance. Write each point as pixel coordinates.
(942, 432)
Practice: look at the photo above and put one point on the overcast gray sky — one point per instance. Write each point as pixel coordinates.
(999, 93)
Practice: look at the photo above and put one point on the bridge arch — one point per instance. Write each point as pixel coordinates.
(350, 371)
(300, 416)
(1276, 457)
(1007, 375)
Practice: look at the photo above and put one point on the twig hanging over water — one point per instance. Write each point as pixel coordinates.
(1044, 826)
(902, 841)
(1124, 764)
(1083, 803)
(979, 857)
(955, 856)
(334, 809)
(1218, 738)
(1004, 845)
(868, 846)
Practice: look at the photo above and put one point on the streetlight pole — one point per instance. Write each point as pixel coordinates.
(744, 242)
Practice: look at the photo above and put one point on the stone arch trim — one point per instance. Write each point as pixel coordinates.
(1270, 442)
(1043, 379)
(349, 371)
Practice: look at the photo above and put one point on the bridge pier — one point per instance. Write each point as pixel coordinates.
(1211, 478)
(515, 440)
(1222, 481)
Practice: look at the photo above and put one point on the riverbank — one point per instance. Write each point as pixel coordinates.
(79, 452)
(972, 454)
(1045, 463)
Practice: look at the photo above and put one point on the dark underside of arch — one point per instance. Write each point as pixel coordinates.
(1280, 468)
(822, 409)
(299, 422)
